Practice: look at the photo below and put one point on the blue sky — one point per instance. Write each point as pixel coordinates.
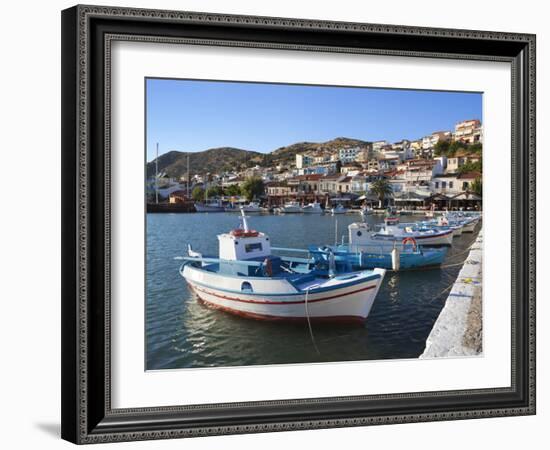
(190, 116)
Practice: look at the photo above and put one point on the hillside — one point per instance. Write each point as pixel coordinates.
(214, 160)
(174, 163)
(287, 154)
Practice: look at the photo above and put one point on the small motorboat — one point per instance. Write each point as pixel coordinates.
(246, 279)
(212, 206)
(339, 209)
(312, 208)
(361, 234)
(366, 211)
(291, 207)
(252, 207)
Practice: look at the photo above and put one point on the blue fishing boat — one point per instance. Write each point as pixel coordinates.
(408, 256)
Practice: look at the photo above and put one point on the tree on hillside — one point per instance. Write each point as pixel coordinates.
(471, 167)
(382, 189)
(441, 148)
(456, 146)
(476, 148)
(252, 187)
(198, 194)
(477, 186)
(233, 190)
(214, 191)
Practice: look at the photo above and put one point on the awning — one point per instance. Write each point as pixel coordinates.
(466, 196)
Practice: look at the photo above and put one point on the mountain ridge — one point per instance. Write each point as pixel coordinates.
(220, 159)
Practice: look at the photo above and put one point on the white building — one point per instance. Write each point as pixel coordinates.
(468, 131)
(348, 155)
(378, 145)
(432, 139)
(303, 161)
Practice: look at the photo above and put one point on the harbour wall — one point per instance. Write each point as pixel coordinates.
(458, 329)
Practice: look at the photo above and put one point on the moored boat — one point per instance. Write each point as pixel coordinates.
(361, 234)
(339, 209)
(252, 207)
(312, 208)
(213, 206)
(247, 280)
(291, 207)
(408, 256)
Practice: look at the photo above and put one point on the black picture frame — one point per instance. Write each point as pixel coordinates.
(87, 416)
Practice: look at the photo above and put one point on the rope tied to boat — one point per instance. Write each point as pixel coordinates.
(309, 322)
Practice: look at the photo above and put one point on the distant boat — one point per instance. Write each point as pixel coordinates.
(291, 207)
(366, 211)
(212, 206)
(339, 209)
(312, 208)
(361, 234)
(247, 280)
(252, 207)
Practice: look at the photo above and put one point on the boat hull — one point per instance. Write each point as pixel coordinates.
(350, 303)
(360, 259)
(469, 227)
(312, 210)
(208, 208)
(435, 240)
(291, 210)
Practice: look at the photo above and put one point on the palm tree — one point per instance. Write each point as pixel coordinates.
(382, 189)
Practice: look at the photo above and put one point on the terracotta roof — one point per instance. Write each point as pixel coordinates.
(312, 177)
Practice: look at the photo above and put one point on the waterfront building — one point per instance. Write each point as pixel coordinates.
(445, 184)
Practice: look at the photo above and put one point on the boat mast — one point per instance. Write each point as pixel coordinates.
(245, 223)
(157, 176)
(187, 176)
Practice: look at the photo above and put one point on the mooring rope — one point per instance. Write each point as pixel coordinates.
(309, 324)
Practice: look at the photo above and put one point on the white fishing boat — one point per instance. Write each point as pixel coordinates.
(247, 280)
(291, 207)
(339, 209)
(312, 208)
(366, 211)
(212, 206)
(252, 207)
(362, 234)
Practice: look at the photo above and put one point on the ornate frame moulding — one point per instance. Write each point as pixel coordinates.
(87, 35)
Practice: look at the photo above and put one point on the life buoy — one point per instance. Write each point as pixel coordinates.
(239, 232)
(410, 240)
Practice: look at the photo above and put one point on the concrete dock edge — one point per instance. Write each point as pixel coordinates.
(461, 317)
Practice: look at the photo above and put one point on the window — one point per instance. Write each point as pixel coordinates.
(464, 185)
(450, 184)
(443, 185)
(257, 246)
(246, 287)
(437, 184)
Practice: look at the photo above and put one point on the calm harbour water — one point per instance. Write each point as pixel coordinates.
(182, 333)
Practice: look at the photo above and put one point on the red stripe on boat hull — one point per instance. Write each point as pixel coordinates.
(358, 320)
(291, 302)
